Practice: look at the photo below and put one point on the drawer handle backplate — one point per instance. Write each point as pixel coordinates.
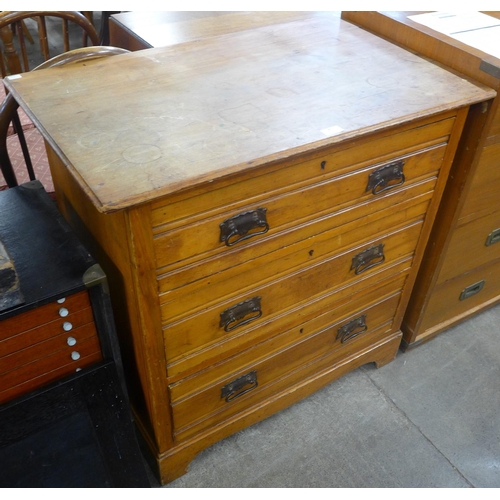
(235, 316)
(352, 329)
(368, 258)
(239, 386)
(241, 225)
(472, 290)
(386, 177)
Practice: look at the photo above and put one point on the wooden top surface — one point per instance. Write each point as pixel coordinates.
(162, 28)
(490, 35)
(134, 127)
(467, 43)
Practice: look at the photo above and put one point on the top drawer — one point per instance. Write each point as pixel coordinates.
(190, 229)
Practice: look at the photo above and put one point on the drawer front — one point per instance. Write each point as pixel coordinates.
(472, 245)
(252, 383)
(46, 343)
(367, 218)
(68, 342)
(305, 318)
(462, 294)
(49, 368)
(282, 178)
(482, 197)
(197, 296)
(74, 320)
(325, 316)
(214, 324)
(58, 311)
(215, 235)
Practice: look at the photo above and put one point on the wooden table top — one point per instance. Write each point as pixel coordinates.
(134, 127)
(161, 28)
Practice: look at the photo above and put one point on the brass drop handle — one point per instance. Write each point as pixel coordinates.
(239, 386)
(236, 316)
(241, 227)
(386, 177)
(352, 329)
(368, 258)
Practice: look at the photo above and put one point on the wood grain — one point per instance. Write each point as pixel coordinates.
(139, 30)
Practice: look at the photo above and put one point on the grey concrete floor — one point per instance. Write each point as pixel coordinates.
(429, 419)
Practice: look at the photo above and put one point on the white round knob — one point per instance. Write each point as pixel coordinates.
(63, 312)
(75, 355)
(67, 326)
(71, 341)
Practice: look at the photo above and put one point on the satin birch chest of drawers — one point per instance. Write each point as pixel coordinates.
(260, 201)
(460, 273)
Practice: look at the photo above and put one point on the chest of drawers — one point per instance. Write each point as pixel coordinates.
(459, 275)
(255, 254)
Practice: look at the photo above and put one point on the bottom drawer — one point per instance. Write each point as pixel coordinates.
(458, 296)
(253, 383)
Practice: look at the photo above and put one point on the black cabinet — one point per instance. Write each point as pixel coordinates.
(65, 418)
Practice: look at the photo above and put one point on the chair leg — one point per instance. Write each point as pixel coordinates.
(7, 109)
(6, 166)
(24, 147)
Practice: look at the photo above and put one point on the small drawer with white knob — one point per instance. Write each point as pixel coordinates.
(42, 315)
(29, 337)
(63, 342)
(51, 366)
(46, 343)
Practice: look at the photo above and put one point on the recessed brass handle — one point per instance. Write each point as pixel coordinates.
(368, 258)
(472, 290)
(493, 237)
(239, 386)
(241, 227)
(386, 177)
(236, 316)
(352, 329)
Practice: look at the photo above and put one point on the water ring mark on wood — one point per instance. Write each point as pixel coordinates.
(95, 140)
(142, 153)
